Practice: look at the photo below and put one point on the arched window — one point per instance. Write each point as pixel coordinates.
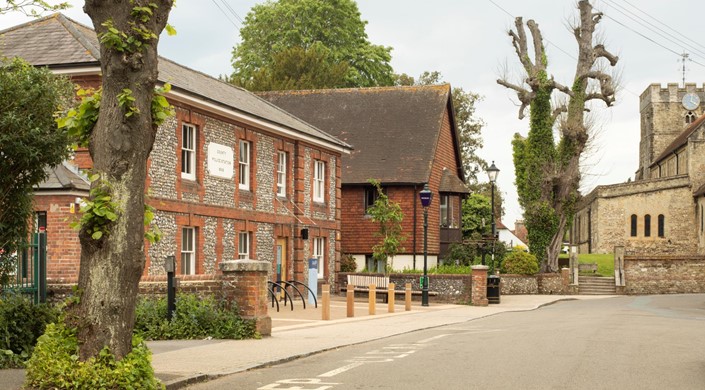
(633, 230)
(661, 225)
(689, 118)
(647, 225)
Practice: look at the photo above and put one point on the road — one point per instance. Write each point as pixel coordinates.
(644, 342)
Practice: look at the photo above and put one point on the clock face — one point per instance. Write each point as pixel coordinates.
(691, 101)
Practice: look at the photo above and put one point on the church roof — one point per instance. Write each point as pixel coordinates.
(679, 141)
(59, 42)
(394, 130)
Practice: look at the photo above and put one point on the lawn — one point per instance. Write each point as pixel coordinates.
(605, 262)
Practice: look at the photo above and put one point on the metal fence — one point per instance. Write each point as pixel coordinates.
(29, 274)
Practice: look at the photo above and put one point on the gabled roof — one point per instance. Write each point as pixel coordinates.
(63, 177)
(394, 130)
(681, 140)
(59, 42)
(451, 183)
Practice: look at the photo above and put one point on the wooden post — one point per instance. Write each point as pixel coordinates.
(407, 297)
(325, 295)
(373, 298)
(351, 300)
(390, 297)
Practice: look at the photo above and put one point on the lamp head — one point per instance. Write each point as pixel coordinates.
(492, 173)
(425, 195)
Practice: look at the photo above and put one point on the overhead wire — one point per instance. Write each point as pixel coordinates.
(232, 11)
(226, 15)
(654, 29)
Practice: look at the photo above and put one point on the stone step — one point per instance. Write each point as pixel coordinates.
(596, 285)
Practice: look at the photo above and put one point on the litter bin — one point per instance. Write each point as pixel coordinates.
(493, 289)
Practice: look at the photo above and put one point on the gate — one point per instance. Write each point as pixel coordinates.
(30, 272)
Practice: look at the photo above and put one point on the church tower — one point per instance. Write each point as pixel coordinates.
(665, 113)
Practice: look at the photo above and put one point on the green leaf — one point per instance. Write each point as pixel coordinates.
(97, 235)
(170, 30)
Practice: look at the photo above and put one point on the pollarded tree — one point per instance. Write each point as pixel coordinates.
(29, 142)
(548, 173)
(333, 25)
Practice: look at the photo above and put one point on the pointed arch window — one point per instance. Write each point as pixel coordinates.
(689, 118)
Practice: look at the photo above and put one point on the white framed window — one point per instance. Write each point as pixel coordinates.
(319, 250)
(188, 251)
(445, 210)
(319, 180)
(243, 245)
(281, 174)
(188, 151)
(244, 156)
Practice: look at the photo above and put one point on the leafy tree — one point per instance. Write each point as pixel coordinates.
(389, 216)
(477, 216)
(31, 7)
(547, 173)
(300, 68)
(469, 127)
(29, 142)
(329, 33)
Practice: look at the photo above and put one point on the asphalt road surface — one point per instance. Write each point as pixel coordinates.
(643, 342)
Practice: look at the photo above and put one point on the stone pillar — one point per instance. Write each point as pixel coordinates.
(244, 282)
(479, 285)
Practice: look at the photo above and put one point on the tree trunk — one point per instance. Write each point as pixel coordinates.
(111, 266)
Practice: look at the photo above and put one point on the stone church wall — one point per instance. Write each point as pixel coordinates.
(610, 210)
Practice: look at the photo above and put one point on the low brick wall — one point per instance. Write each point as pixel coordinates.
(457, 288)
(664, 274)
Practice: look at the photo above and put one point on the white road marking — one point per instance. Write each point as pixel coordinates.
(432, 338)
(341, 370)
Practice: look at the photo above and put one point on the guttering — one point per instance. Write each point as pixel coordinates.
(254, 121)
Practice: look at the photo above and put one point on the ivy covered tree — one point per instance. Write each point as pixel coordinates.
(469, 126)
(120, 128)
(329, 35)
(29, 142)
(389, 216)
(548, 172)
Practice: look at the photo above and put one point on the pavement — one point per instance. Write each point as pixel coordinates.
(301, 332)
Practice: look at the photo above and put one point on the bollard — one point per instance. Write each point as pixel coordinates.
(351, 300)
(390, 297)
(372, 298)
(325, 294)
(407, 297)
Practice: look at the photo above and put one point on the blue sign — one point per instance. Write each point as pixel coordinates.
(312, 279)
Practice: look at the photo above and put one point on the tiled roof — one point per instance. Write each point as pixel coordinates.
(681, 140)
(393, 130)
(451, 183)
(56, 40)
(63, 177)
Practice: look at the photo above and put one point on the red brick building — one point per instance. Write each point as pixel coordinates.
(230, 175)
(404, 137)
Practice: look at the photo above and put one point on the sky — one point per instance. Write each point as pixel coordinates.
(467, 42)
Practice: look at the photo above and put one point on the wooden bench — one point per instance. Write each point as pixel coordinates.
(587, 267)
(362, 284)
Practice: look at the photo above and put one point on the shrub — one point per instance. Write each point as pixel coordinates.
(55, 364)
(520, 262)
(348, 264)
(460, 254)
(195, 317)
(21, 323)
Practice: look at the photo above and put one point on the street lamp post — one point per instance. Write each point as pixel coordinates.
(425, 195)
(492, 173)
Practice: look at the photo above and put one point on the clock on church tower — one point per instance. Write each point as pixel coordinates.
(691, 101)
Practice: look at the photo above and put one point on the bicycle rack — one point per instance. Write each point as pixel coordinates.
(297, 290)
(273, 300)
(315, 301)
(286, 295)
